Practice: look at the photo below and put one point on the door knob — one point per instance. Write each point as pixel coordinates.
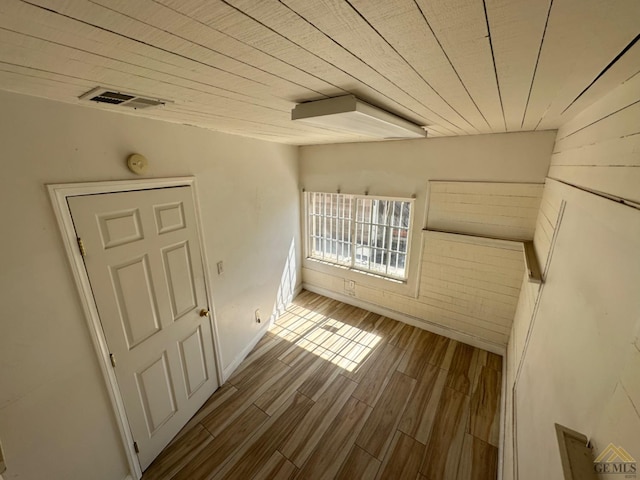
(204, 312)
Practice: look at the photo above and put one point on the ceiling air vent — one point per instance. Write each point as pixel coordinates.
(104, 95)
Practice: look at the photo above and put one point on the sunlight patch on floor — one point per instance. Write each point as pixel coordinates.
(340, 343)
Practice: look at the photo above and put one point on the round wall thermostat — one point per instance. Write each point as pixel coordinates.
(137, 163)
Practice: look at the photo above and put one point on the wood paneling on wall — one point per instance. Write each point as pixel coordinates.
(600, 148)
(503, 210)
(551, 206)
(467, 285)
(471, 283)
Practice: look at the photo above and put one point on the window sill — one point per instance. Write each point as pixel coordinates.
(355, 270)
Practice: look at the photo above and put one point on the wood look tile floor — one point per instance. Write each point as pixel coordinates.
(334, 391)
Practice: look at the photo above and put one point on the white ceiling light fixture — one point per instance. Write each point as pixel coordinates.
(349, 114)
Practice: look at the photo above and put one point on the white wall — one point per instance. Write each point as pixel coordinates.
(403, 169)
(55, 418)
(574, 351)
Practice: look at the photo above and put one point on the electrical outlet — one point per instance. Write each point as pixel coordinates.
(350, 287)
(220, 267)
(258, 320)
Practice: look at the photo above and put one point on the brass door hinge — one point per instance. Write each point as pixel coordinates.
(83, 252)
(135, 447)
(113, 360)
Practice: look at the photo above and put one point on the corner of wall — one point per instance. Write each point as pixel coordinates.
(228, 370)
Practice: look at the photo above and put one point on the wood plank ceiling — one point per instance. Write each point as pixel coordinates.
(459, 67)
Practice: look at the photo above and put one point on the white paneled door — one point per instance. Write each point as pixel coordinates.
(144, 262)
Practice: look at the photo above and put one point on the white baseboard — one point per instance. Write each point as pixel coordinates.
(409, 320)
(228, 371)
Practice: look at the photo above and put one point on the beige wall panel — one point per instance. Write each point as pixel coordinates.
(503, 210)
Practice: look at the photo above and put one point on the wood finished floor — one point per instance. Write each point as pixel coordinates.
(334, 391)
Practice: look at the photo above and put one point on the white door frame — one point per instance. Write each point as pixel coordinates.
(59, 194)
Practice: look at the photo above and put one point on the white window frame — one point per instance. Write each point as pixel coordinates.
(352, 266)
